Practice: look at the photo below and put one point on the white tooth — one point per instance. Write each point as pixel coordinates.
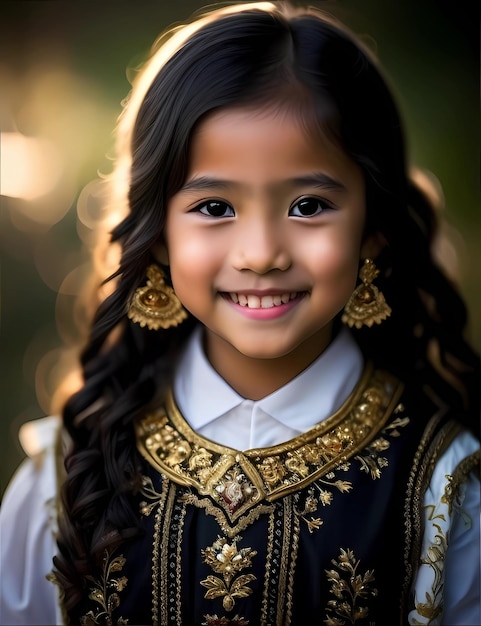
(267, 302)
(293, 295)
(253, 302)
(285, 298)
(242, 299)
(234, 298)
(277, 300)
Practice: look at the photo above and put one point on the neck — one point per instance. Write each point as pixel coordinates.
(255, 379)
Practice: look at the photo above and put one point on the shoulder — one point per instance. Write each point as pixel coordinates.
(41, 440)
(38, 435)
(462, 451)
(37, 474)
(28, 524)
(34, 485)
(455, 475)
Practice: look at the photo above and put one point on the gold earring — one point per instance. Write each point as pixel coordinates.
(367, 305)
(155, 305)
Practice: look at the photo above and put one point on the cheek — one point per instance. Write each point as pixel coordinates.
(335, 259)
(192, 261)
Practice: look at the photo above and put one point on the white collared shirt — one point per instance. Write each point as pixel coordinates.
(216, 411)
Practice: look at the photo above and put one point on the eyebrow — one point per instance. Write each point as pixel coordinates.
(316, 179)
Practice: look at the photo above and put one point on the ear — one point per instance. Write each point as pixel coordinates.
(161, 253)
(372, 245)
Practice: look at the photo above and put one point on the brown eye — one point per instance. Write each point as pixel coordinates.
(308, 207)
(215, 208)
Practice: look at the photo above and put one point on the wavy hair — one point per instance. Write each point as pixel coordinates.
(245, 54)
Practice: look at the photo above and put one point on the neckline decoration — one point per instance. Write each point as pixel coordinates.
(238, 480)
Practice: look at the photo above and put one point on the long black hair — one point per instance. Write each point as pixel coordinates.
(243, 55)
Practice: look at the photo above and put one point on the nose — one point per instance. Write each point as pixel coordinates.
(260, 247)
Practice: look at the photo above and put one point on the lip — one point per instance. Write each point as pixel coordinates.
(271, 312)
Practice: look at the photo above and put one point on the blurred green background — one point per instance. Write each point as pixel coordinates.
(64, 70)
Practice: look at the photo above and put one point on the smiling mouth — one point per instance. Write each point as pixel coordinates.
(252, 301)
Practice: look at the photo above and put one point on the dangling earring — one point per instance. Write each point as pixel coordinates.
(367, 305)
(156, 305)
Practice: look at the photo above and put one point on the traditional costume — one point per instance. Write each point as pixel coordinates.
(341, 498)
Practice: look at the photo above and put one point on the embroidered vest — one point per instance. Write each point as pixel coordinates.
(323, 529)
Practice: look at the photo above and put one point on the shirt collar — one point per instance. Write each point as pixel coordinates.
(203, 395)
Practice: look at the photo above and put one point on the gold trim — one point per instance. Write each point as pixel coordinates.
(237, 480)
(296, 534)
(286, 572)
(412, 508)
(211, 509)
(268, 567)
(159, 584)
(178, 569)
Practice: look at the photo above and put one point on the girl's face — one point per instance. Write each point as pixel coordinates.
(264, 239)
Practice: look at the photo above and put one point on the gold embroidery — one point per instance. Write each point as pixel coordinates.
(151, 494)
(225, 559)
(178, 569)
(272, 471)
(237, 485)
(287, 570)
(434, 441)
(452, 492)
(268, 567)
(280, 564)
(213, 620)
(436, 553)
(104, 593)
(164, 554)
(156, 500)
(310, 506)
(238, 480)
(349, 589)
(371, 463)
(211, 509)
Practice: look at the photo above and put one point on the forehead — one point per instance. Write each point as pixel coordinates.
(261, 142)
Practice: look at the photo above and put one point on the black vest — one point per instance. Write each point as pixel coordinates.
(324, 529)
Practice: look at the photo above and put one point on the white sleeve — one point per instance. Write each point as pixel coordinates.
(27, 540)
(448, 586)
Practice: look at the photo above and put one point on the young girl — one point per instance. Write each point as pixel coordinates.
(261, 437)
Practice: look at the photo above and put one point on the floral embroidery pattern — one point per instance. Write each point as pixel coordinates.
(225, 559)
(213, 620)
(434, 559)
(454, 486)
(105, 593)
(372, 462)
(349, 589)
(149, 492)
(324, 497)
